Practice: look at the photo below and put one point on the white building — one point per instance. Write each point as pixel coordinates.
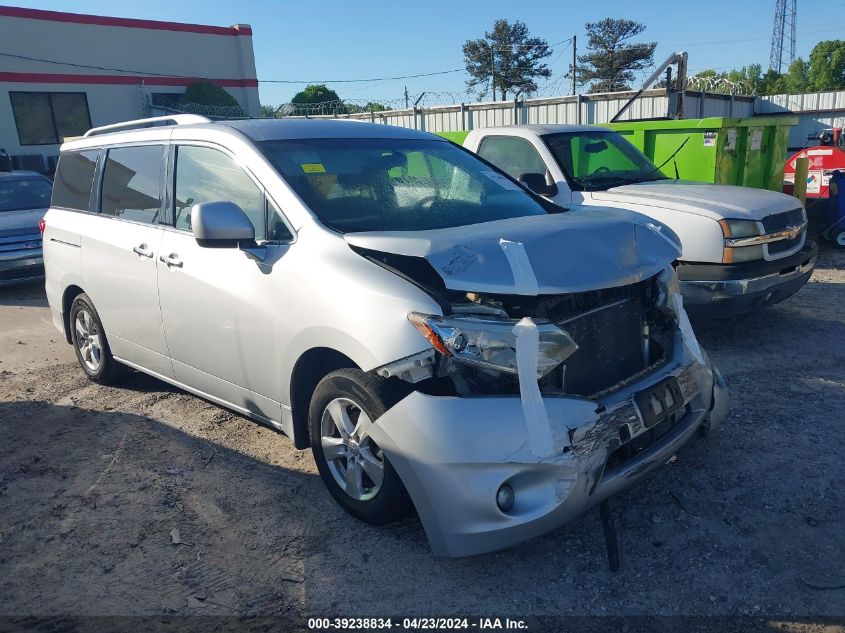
(62, 73)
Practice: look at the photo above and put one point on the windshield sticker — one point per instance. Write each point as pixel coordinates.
(710, 139)
(501, 180)
(313, 168)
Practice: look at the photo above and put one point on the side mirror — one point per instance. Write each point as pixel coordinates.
(539, 183)
(221, 225)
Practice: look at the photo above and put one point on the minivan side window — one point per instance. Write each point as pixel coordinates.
(74, 180)
(204, 174)
(513, 155)
(132, 180)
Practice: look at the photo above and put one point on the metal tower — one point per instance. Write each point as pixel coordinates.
(783, 35)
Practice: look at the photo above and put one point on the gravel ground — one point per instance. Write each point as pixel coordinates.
(145, 500)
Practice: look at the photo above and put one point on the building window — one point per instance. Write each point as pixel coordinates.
(45, 118)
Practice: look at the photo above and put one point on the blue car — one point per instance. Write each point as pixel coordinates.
(24, 199)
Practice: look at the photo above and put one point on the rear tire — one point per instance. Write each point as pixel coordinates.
(353, 467)
(90, 344)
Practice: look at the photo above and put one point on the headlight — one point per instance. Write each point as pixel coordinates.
(739, 228)
(733, 229)
(491, 343)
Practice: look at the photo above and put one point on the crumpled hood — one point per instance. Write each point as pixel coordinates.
(714, 201)
(570, 252)
(23, 222)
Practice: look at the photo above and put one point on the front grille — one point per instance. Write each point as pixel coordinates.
(607, 325)
(11, 244)
(784, 245)
(24, 272)
(782, 221)
(610, 347)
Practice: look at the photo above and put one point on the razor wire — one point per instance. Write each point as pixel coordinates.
(338, 107)
(718, 85)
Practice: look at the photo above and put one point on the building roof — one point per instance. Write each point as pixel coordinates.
(102, 20)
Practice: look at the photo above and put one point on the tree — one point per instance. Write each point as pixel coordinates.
(307, 100)
(267, 111)
(205, 93)
(827, 65)
(611, 61)
(510, 55)
(797, 78)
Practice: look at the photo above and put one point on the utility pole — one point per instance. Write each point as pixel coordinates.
(492, 72)
(406, 97)
(574, 61)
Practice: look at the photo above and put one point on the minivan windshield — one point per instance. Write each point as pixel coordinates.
(600, 159)
(363, 184)
(24, 192)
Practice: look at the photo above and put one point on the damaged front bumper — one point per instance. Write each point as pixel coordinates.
(454, 453)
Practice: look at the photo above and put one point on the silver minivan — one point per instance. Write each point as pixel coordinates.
(443, 339)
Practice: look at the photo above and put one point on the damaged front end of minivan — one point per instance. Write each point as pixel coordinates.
(562, 369)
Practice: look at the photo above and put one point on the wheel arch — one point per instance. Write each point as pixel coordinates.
(70, 293)
(310, 368)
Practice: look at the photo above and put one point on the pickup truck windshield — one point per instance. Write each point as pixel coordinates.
(360, 184)
(24, 192)
(594, 161)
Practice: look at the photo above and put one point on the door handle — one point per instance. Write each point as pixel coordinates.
(171, 260)
(142, 251)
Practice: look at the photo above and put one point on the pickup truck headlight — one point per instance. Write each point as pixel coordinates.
(733, 229)
(490, 343)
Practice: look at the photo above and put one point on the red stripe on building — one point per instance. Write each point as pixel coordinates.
(132, 80)
(101, 20)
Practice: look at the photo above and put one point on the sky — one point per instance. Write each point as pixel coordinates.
(324, 40)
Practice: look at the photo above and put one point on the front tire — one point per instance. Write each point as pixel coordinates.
(839, 239)
(353, 467)
(90, 344)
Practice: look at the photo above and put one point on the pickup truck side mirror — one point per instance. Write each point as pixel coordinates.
(539, 183)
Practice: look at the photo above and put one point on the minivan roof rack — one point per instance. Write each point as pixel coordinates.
(173, 119)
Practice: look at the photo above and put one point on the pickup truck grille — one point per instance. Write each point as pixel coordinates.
(780, 222)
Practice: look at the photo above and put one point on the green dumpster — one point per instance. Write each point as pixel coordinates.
(749, 152)
(456, 137)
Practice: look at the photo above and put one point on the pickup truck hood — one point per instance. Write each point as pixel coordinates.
(713, 201)
(22, 222)
(592, 249)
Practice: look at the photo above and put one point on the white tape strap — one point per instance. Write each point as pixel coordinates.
(540, 441)
(523, 273)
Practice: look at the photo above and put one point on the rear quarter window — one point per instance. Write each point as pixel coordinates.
(74, 180)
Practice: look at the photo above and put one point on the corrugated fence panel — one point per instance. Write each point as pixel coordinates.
(815, 111)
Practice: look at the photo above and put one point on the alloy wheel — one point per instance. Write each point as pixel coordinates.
(88, 340)
(354, 460)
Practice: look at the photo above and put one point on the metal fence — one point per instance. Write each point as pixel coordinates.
(578, 109)
(814, 111)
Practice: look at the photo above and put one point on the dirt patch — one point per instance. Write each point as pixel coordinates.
(97, 485)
